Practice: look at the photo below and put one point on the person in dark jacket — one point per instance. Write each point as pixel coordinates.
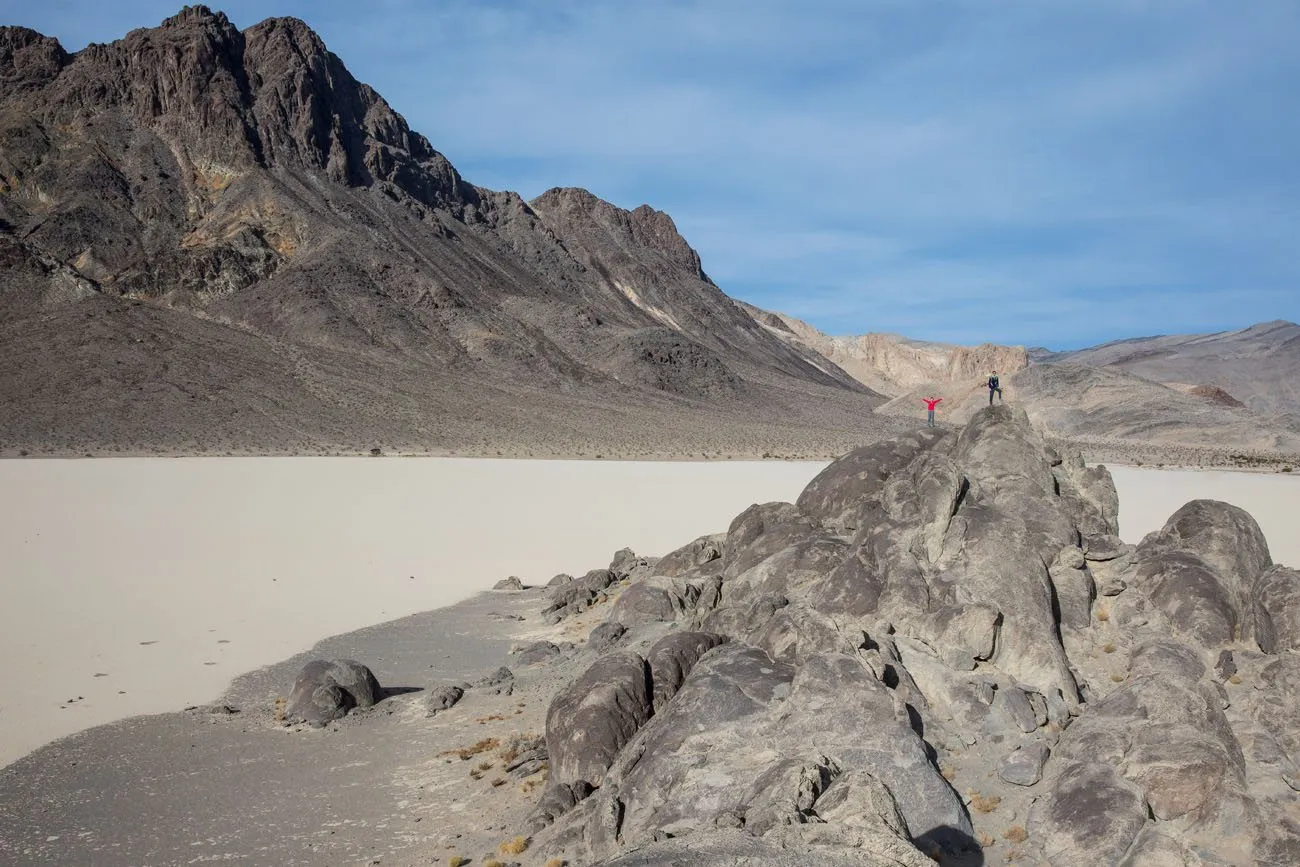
(994, 387)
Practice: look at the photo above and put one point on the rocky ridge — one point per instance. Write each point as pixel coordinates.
(940, 652)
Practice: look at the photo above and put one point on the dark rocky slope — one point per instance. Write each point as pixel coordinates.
(941, 651)
(262, 203)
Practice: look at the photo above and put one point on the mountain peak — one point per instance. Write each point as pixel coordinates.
(29, 60)
(199, 14)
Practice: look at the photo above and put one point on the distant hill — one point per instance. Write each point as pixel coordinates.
(892, 364)
(1259, 365)
(1076, 401)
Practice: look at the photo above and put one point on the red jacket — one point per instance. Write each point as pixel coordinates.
(931, 403)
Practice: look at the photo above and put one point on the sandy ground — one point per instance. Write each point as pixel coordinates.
(144, 585)
(137, 586)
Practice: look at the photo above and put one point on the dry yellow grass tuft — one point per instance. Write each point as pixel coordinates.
(513, 847)
(492, 862)
(467, 753)
(1236, 678)
(948, 772)
(1108, 648)
(486, 766)
(499, 781)
(555, 862)
(985, 840)
(1118, 678)
(983, 804)
(1103, 614)
(455, 861)
(1015, 834)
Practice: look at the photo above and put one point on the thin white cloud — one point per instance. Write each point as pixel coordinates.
(1028, 153)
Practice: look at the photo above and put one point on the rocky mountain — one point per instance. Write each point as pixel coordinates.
(889, 363)
(195, 205)
(1258, 366)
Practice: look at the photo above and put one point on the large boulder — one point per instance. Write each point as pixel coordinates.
(1277, 610)
(591, 720)
(671, 659)
(326, 690)
(1201, 569)
(846, 495)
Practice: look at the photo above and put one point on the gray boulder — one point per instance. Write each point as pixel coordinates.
(605, 636)
(1201, 569)
(444, 698)
(1276, 598)
(671, 659)
(653, 600)
(1024, 767)
(326, 690)
(846, 495)
(702, 556)
(511, 583)
(591, 720)
(1090, 816)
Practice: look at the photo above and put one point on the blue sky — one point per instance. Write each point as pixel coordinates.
(1051, 172)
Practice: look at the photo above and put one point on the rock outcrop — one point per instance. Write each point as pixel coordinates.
(941, 652)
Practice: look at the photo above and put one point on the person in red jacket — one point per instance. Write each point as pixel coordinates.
(930, 404)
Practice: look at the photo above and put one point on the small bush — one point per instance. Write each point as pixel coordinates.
(1236, 678)
(1103, 614)
(492, 862)
(1117, 678)
(498, 782)
(1015, 834)
(455, 861)
(983, 804)
(555, 862)
(985, 840)
(513, 847)
(1108, 648)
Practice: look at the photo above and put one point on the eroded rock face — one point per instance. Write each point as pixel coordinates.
(942, 614)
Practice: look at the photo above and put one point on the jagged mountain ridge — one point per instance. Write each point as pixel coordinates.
(247, 179)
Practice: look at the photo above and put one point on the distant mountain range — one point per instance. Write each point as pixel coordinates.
(219, 240)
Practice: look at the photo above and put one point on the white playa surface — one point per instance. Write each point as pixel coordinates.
(1148, 497)
(140, 586)
(144, 585)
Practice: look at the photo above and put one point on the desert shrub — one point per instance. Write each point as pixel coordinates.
(1015, 834)
(513, 847)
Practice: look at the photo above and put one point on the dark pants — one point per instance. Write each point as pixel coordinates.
(930, 420)
(991, 390)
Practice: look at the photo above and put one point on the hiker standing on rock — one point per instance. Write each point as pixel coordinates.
(930, 404)
(993, 386)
